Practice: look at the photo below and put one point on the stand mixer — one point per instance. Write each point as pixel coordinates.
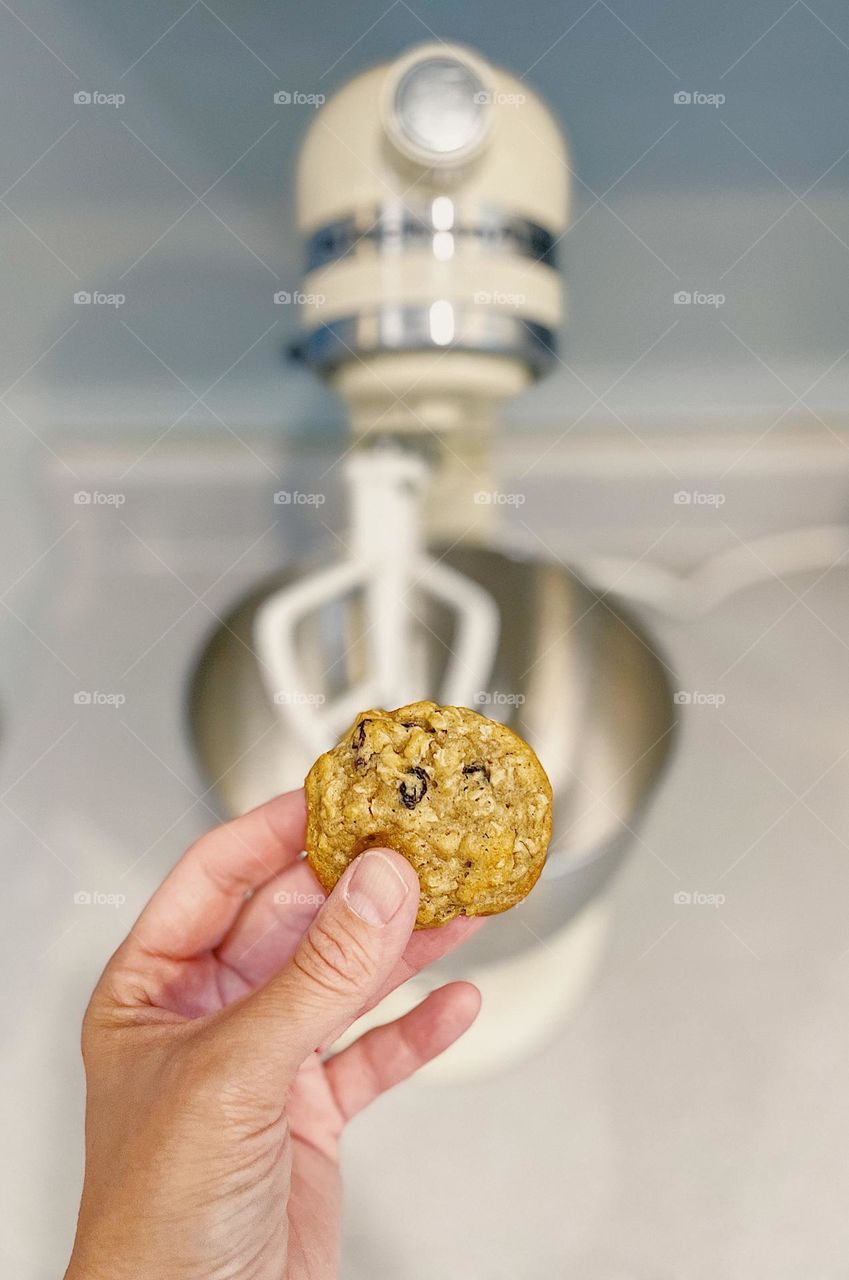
(431, 192)
(419, 183)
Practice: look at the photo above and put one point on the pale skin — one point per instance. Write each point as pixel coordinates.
(213, 1112)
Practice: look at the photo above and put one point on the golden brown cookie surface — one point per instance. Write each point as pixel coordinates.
(463, 798)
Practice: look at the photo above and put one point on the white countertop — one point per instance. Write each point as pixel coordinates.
(688, 1123)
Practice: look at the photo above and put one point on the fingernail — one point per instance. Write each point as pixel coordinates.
(376, 890)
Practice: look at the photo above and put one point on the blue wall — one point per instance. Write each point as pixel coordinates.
(693, 197)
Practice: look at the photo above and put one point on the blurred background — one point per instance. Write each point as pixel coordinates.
(678, 1109)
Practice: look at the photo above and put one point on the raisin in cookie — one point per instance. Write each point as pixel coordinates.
(463, 798)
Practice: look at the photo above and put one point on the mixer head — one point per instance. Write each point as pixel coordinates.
(431, 193)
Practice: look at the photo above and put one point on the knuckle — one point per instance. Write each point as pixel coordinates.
(333, 956)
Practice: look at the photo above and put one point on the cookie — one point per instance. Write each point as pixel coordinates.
(463, 798)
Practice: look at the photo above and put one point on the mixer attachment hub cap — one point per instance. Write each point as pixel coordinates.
(437, 107)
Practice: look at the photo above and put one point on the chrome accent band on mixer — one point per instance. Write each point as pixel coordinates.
(429, 328)
(393, 228)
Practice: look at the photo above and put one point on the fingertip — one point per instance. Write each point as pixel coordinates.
(283, 817)
(447, 1014)
(465, 998)
(470, 991)
(293, 804)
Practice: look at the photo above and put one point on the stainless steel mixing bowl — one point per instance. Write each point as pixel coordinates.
(575, 675)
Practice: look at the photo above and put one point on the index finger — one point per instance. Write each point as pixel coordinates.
(199, 901)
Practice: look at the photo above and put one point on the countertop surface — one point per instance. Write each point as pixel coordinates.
(689, 1121)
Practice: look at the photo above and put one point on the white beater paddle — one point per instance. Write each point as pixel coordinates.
(389, 565)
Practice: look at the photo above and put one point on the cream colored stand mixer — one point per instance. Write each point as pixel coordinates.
(431, 194)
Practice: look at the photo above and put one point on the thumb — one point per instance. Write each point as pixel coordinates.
(351, 947)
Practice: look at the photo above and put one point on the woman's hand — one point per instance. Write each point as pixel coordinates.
(212, 1122)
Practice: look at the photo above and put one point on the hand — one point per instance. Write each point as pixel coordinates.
(212, 1123)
